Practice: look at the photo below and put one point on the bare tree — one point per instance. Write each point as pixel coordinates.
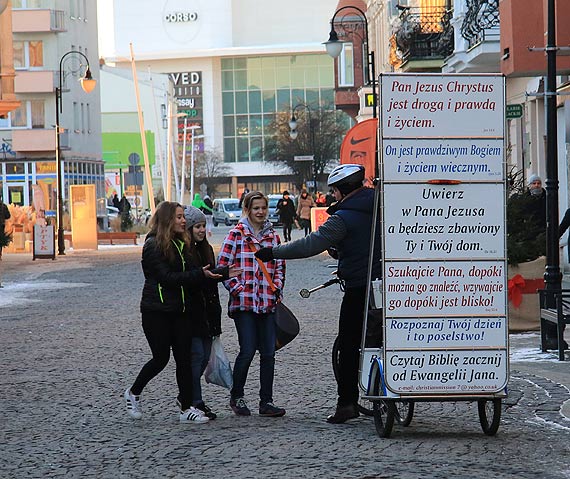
(320, 137)
(209, 168)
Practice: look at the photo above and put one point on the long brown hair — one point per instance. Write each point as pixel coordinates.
(162, 227)
(201, 253)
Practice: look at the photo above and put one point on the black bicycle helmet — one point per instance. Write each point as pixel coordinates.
(346, 178)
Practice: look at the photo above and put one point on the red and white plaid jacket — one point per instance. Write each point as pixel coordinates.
(250, 290)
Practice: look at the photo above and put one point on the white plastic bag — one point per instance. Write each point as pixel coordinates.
(219, 371)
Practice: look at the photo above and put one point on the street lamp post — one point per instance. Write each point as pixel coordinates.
(293, 133)
(334, 47)
(552, 274)
(88, 84)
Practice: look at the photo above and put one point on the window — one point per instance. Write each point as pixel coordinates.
(37, 113)
(256, 90)
(30, 114)
(27, 4)
(346, 65)
(28, 54)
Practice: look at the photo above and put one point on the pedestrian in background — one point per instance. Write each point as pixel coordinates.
(304, 211)
(205, 313)
(5, 239)
(348, 229)
(208, 210)
(164, 306)
(286, 211)
(252, 302)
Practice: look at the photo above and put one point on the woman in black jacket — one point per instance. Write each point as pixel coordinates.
(206, 310)
(164, 304)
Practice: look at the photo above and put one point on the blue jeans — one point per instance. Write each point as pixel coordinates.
(201, 348)
(256, 332)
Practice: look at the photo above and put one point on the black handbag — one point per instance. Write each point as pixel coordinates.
(286, 326)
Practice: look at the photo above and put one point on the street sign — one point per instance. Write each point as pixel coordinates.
(303, 158)
(134, 159)
(513, 111)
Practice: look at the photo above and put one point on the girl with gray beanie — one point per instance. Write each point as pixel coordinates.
(205, 310)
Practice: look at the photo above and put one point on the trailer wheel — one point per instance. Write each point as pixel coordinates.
(384, 415)
(404, 412)
(489, 415)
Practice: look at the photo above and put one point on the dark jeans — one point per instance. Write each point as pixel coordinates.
(287, 227)
(350, 333)
(201, 348)
(164, 331)
(256, 332)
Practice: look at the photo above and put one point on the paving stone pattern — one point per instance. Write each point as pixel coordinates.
(68, 354)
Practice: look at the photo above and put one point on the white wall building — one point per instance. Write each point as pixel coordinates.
(234, 65)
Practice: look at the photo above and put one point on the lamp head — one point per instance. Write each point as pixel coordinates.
(88, 83)
(333, 44)
(293, 123)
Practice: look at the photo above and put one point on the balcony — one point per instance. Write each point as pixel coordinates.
(423, 38)
(478, 44)
(38, 21)
(34, 81)
(33, 141)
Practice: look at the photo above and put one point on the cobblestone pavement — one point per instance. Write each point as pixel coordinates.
(71, 342)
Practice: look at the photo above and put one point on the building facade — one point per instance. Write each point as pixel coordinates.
(235, 66)
(44, 31)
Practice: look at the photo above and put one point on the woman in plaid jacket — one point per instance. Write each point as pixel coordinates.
(252, 301)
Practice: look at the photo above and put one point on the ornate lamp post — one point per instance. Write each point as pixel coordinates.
(88, 84)
(334, 47)
(293, 133)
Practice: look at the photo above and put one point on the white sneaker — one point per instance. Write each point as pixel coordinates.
(193, 416)
(133, 404)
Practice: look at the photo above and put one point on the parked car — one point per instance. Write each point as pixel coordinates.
(272, 214)
(227, 211)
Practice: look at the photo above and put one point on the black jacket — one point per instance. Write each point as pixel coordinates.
(286, 210)
(166, 281)
(206, 311)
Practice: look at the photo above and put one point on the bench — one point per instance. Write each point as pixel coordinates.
(554, 308)
(114, 236)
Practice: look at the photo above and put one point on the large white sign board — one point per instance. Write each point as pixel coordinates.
(444, 221)
(445, 106)
(443, 218)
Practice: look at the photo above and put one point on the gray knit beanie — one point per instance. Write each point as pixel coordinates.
(193, 215)
(533, 178)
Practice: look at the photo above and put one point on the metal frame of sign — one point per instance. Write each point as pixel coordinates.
(442, 210)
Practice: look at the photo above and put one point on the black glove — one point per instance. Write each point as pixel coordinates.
(265, 254)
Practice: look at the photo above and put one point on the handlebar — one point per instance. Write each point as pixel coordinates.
(305, 293)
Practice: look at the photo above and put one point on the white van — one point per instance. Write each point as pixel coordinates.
(227, 211)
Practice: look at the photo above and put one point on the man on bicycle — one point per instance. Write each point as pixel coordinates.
(348, 230)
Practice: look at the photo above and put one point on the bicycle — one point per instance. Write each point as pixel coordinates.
(364, 406)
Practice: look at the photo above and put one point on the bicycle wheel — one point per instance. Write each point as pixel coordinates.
(364, 406)
(489, 415)
(404, 412)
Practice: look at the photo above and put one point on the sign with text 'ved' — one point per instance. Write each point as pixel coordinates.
(443, 220)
